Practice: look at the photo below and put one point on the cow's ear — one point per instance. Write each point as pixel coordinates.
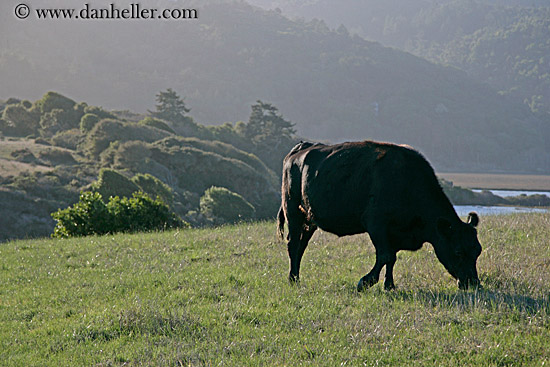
(444, 227)
(473, 219)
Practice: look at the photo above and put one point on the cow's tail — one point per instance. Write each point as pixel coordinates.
(281, 223)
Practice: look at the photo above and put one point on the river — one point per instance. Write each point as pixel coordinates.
(463, 210)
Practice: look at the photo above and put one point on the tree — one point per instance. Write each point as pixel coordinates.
(267, 127)
(170, 107)
(270, 134)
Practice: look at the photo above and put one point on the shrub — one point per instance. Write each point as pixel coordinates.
(149, 121)
(56, 120)
(24, 155)
(88, 121)
(42, 141)
(197, 170)
(220, 205)
(91, 216)
(140, 213)
(129, 154)
(19, 121)
(52, 100)
(13, 100)
(56, 157)
(223, 149)
(112, 183)
(69, 139)
(99, 112)
(154, 187)
(529, 200)
(108, 131)
(88, 216)
(57, 113)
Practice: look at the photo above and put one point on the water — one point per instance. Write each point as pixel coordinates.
(463, 210)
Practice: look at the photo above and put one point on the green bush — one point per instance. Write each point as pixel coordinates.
(108, 131)
(88, 121)
(149, 121)
(57, 113)
(91, 216)
(112, 183)
(220, 205)
(58, 120)
(141, 213)
(99, 112)
(57, 157)
(52, 100)
(197, 170)
(69, 139)
(88, 216)
(154, 187)
(19, 121)
(224, 149)
(128, 155)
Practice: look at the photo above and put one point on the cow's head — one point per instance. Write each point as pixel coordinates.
(459, 249)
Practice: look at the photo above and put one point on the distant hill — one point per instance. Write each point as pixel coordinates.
(504, 43)
(333, 85)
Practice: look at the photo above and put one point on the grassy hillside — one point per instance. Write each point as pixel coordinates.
(220, 297)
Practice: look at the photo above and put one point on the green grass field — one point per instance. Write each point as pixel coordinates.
(221, 298)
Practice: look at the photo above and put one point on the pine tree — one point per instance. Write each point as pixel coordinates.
(170, 107)
(267, 126)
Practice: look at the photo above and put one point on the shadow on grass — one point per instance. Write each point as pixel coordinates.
(484, 299)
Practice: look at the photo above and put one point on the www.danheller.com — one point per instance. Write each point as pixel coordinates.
(112, 11)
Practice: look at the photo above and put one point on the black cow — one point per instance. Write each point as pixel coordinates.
(387, 190)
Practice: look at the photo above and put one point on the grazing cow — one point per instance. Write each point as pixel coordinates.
(387, 190)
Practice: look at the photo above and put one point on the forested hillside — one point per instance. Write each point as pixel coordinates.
(333, 85)
(504, 43)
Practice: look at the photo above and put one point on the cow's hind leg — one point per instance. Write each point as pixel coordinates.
(299, 236)
(388, 283)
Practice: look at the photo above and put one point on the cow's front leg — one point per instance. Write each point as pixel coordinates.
(372, 277)
(385, 253)
(387, 259)
(382, 258)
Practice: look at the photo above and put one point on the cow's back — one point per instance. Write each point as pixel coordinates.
(340, 184)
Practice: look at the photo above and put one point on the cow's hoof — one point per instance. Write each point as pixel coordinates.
(389, 286)
(293, 279)
(365, 283)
